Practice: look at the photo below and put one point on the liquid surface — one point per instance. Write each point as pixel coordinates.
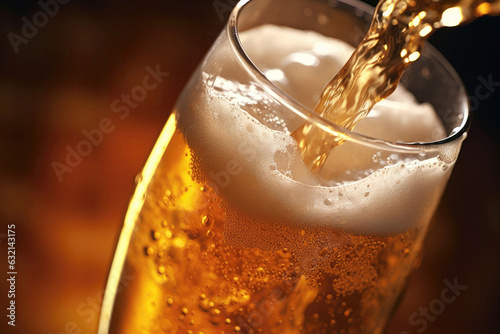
(395, 39)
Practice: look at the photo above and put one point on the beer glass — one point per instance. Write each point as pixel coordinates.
(228, 232)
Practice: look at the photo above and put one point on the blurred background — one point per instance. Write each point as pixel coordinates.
(58, 82)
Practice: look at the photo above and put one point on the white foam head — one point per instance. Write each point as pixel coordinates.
(244, 146)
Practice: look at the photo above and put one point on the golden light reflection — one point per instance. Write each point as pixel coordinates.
(426, 30)
(134, 209)
(389, 10)
(416, 21)
(483, 9)
(451, 17)
(414, 56)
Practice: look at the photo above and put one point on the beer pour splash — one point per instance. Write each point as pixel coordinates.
(395, 39)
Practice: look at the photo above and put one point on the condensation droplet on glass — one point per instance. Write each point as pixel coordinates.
(249, 128)
(426, 73)
(322, 19)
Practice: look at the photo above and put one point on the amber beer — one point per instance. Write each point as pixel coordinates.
(228, 230)
(190, 279)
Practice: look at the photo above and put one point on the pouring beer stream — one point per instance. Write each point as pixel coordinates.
(395, 39)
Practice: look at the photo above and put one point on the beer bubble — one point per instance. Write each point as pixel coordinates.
(207, 220)
(204, 305)
(155, 235)
(210, 234)
(184, 310)
(328, 201)
(168, 234)
(170, 301)
(237, 328)
(228, 321)
(375, 158)
(179, 242)
(161, 270)
(445, 168)
(367, 193)
(149, 250)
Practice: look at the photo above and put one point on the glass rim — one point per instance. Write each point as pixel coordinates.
(323, 123)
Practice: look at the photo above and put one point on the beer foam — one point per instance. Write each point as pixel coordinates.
(242, 146)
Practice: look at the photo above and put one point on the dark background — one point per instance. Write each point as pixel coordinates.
(64, 80)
